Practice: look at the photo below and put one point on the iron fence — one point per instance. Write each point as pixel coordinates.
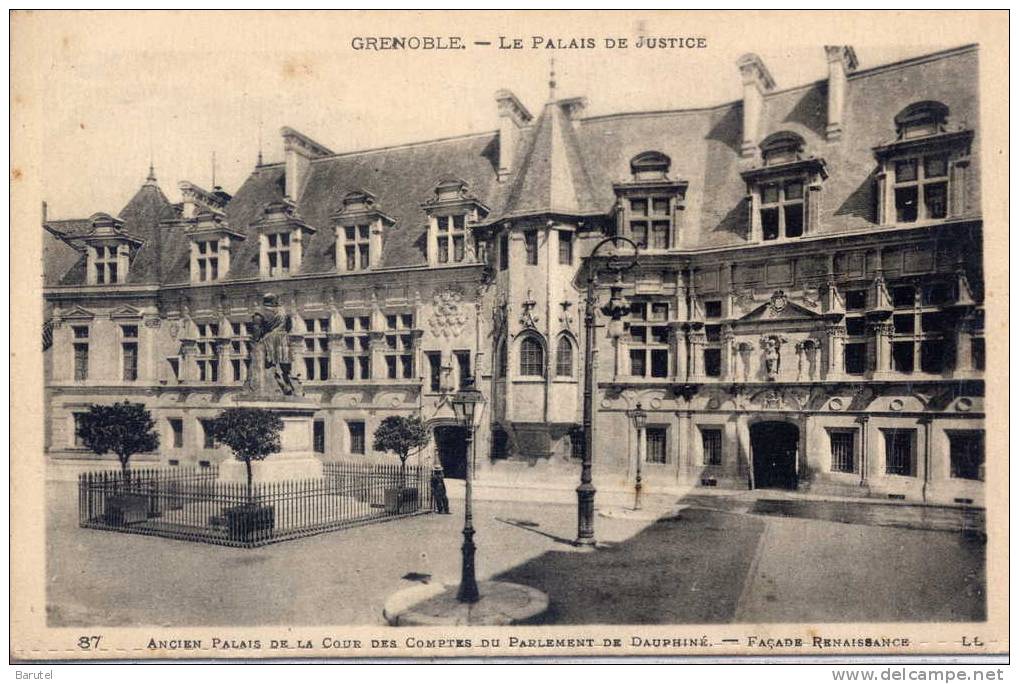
(194, 505)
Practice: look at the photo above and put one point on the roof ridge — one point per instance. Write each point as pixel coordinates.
(390, 148)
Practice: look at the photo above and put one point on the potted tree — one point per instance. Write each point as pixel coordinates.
(252, 434)
(401, 435)
(125, 429)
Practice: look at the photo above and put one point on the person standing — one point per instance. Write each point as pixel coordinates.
(439, 499)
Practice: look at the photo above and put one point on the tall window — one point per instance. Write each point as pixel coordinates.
(531, 247)
(564, 358)
(855, 352)
(654, 442)
(463, 365)
(207, 441)
(81, 340)
(502, 359)
(76, 439)
(240, 351)
(316, 348)
(503, 252)
(205, 352)
(318, 436)
(356, 248)
(357, 360)
(651, 222)
(106, 264)
(782, 210)
(713, 343)
(208, 260)
(434, 371)
(399, 346)
(842, 454)
(565, 247)
(278, 252)
(921, 188)
(899, 448)
(355, 428)
(532, 358)
(450, 236)
(649, 339)
(177, 430)
(711, 446)
(922, 331)
(966, 454)
(129, 351)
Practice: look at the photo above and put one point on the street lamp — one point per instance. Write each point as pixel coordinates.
(468, 404)
(639, 417)
(615, 309)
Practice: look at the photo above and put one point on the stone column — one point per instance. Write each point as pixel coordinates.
(864, 448)
(964, 344)
(187, 362)
(335, 354)
(696, 340)
(677, 342)
(881, 342)
(222, 347)
(835, 345)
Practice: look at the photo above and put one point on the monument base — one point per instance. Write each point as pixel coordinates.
(296, 459)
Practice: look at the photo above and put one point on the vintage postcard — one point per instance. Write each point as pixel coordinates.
(490, 334)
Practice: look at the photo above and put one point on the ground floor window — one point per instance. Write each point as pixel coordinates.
(966, 452)
(842, 452)
(177, 428)
(654, 439)
(900, 446)
(356, 429)
(207, 441)
(711, 442)
(319, 436)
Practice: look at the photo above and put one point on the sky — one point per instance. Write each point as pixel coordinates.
(181, 87)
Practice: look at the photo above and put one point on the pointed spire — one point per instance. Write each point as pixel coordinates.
(151, 179)
(551, 80)
(214, 186)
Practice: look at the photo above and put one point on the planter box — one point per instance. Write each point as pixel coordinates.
(402, 500)
(248, 523)
(126, 509)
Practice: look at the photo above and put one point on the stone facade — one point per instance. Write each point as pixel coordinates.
(805, 311)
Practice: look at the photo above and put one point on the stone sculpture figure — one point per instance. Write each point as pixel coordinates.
(271, 359)
(772, 357)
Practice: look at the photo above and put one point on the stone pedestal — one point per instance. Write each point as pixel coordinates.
(296, 459)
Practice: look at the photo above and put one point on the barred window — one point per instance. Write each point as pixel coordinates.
(842, 454)
(899, 447)
(532, 358)
(966, 452)
(564, 358)
(356, 430)
(129, 351)
(711, 442)
(655, 451)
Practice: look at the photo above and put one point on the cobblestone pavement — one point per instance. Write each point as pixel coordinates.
(716, 561)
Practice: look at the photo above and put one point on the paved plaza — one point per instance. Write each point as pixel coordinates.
(715, 559)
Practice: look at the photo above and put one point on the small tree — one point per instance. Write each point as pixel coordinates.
(251, 433)
(401, 435)
(124, 428)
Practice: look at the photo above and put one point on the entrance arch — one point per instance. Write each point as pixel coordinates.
(774, 445)
(451, 450)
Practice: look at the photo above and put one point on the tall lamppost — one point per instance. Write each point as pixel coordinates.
(615, 309)
(468, 404)
(639, 417)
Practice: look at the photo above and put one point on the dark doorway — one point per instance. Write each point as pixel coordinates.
(451, 445)
(774, 446)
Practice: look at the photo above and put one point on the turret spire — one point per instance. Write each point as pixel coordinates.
(551, 80)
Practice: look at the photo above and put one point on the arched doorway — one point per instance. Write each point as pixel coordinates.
(774, 445)
(451, 449)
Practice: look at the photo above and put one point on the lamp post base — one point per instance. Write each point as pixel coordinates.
(585, 515)
(501, 603)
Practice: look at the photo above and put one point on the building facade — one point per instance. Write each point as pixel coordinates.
(804, 312)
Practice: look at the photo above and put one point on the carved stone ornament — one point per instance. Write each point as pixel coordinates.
(448, 314)
(778, 301)
(527, 317)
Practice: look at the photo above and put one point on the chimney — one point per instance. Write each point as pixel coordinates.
(299, 150)
(841, 62)
(45, 211)
(756, 82)
(573, 107)
(513, 116)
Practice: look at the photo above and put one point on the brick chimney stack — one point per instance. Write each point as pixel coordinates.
(841, 62)
(757, 81)
(513, 116)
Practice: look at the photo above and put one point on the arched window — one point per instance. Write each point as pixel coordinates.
(650, 165)
(532, 357)
(921, 119)
(564, 358)
(781, 148)
(501, 362)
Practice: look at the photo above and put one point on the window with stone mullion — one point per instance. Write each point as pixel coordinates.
(649, 339)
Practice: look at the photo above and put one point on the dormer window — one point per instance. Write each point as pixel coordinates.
(109, 249)
(359, 223)
(922, 175)
(649, 203)
(281, 233)
(783, 193)
(921, 119)
(210, 247)
(451, 211)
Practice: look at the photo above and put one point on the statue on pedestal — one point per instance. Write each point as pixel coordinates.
(271, 359)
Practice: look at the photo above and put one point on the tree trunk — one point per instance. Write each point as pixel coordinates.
(403, 471)
(123, 468)
(247, 464)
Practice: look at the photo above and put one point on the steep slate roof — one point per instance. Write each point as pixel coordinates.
(565, 166)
